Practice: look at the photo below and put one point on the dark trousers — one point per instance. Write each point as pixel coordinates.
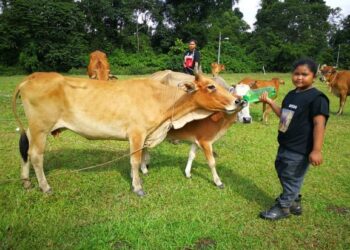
(188, 71)
(291, 168)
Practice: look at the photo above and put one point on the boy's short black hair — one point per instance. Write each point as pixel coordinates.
(310, 63)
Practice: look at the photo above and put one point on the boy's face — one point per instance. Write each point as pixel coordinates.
(303, 77)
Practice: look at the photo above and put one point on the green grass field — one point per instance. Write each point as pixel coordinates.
(96, 209)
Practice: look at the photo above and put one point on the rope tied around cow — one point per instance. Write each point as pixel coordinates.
(5, 181)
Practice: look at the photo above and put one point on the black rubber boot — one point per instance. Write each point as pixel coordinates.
(296, 208)
(276, 212)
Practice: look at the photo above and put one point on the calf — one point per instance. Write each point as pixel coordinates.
(243, 115)
(338, 83)
(216, 68)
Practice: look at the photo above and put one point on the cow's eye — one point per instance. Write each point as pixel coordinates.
(211, 87)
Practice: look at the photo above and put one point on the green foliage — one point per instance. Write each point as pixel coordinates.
(176, 55)
(136, 63)
(232, 56)
(287, 30)
(342, 39)
(57, 35)
(43, 35)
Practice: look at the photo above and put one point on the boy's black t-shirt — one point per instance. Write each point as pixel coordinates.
(296, 121)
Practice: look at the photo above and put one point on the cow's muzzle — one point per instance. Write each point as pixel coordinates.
(247, 120)
(238, 105)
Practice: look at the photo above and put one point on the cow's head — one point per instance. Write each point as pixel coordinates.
(240, 90)
(327, 72)
(100, 74)
(216, 68)
(212, 96)
(280, 81)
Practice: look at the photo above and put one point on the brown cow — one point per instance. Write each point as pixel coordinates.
(139, 110)
(338, 83)
(256, 84)
(216, 68)
(202, 133)
(99, 66)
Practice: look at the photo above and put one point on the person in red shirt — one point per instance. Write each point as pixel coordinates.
(191, 63)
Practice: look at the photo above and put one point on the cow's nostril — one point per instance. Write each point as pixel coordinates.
(237, 101)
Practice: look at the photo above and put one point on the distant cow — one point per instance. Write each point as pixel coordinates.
(256, 84)
(139, 110)
(338, 82)
(216, 68)
(99, 66)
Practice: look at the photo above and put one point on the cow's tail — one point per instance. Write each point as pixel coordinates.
(23, 140)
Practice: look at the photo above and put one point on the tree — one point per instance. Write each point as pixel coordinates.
(341, 40)
(288, 30)
(42, 35)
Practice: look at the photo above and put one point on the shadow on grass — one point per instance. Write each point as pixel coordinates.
(76, 159)
(241, 185)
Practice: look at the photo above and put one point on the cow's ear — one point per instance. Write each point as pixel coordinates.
(188, 87)
(223, 67)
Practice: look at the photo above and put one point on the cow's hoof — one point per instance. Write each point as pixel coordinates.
(27, 184)
(49, 191)
(140, 193)
(188, 176)
(221, 186)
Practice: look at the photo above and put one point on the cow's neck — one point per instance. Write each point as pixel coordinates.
(181, 107)
(332, 78)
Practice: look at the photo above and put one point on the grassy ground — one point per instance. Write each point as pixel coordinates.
(95, 209)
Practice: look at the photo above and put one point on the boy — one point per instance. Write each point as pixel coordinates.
(303, 118)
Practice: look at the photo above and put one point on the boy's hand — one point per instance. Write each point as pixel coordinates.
(315, 158)
(264, 98)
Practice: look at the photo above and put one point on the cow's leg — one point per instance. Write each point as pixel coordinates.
(342, 100)
(24, 147)
(136, 144)
(145, 161)
(191, 157)
(208, 151)
(36, 156)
